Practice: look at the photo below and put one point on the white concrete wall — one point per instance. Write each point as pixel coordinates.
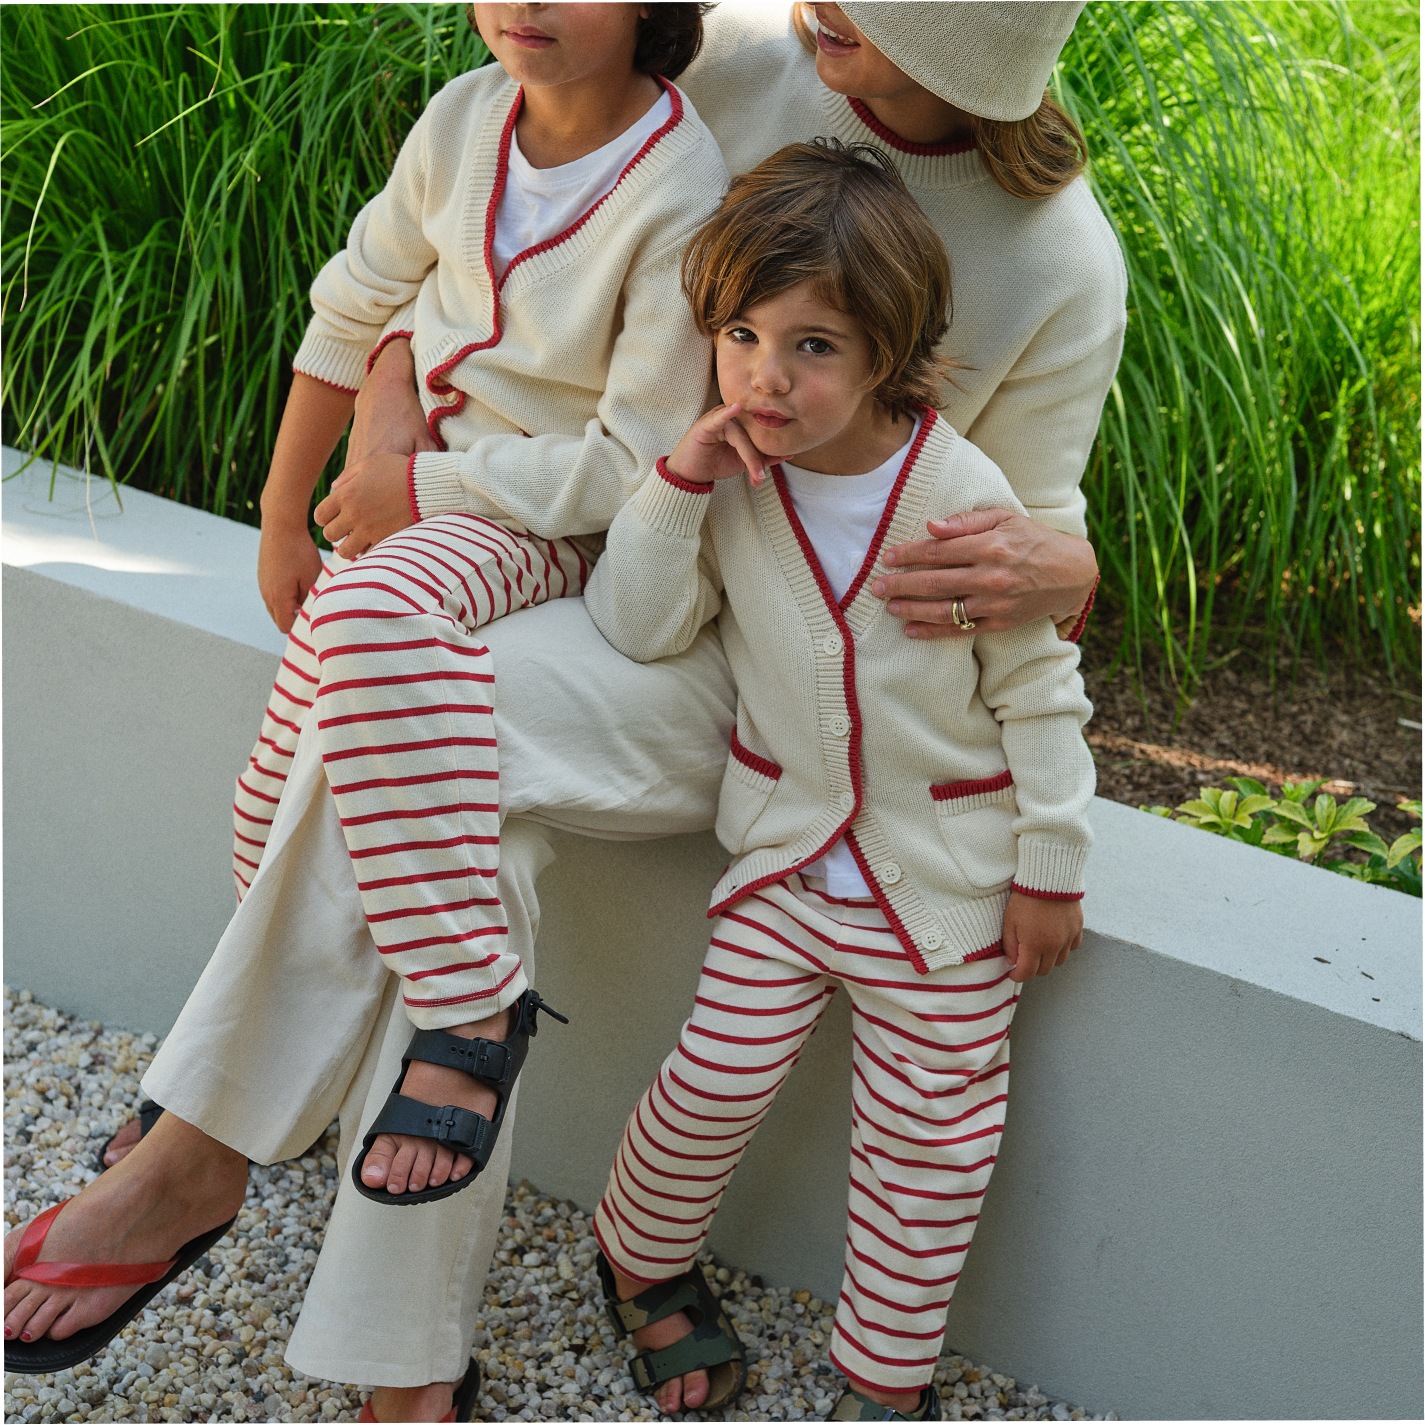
(1208, 1204)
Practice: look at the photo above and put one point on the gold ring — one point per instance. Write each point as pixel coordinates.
(959, 617)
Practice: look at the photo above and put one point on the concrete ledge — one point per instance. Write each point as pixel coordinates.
(1208, 1203)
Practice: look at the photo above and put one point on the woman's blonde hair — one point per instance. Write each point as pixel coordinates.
(839, 217)
(1028, 158)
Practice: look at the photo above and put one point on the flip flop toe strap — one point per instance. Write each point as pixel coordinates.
(27, 1268)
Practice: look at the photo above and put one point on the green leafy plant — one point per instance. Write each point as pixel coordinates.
(1305, 828)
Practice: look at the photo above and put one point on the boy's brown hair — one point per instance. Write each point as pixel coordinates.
(840, 217)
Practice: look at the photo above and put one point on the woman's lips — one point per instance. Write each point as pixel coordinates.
(829, 43)
(773, 420)
(529, 39)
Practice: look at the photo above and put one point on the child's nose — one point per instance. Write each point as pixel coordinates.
(770, 375)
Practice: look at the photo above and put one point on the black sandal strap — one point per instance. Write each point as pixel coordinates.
(493, 1063)
(459, 1129)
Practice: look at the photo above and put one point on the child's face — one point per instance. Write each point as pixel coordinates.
(545, 45)
(802, 371)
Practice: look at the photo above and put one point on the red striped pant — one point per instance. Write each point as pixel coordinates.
(387, 650)
(929, 1074)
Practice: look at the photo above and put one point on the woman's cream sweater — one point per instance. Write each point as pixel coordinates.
(1039, 285)
(554, 389)
(953, 767)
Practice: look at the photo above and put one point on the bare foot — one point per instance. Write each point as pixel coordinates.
(123, 1143)
(419, 1402)
(685, 1392)
(400, 1163)
(173, 1186)
(902, 1402)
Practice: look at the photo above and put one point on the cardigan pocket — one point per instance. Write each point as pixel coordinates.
(747, 787)
(976, 821)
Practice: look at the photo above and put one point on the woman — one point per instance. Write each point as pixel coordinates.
(594, 743)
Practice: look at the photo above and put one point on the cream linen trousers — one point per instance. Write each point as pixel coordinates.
(295, 1020)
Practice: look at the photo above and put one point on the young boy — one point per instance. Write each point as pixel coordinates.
(907, 819)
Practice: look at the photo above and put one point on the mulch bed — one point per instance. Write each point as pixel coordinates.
(1344, 723)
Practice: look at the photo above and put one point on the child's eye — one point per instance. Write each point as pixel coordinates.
(817, 345)
(740, 334)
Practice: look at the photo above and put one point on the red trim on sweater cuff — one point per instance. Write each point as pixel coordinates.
(1047, 895)
(693, 487)
(382, 345)
(1077, 631)
(751, 759)
(953, 791)
(411, 489)
(345, 390)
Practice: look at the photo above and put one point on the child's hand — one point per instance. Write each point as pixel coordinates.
(369, 500)
(1039, 934)
(717, 448)
(287, 566)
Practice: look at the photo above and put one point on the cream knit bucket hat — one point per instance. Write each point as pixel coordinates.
(987, 57)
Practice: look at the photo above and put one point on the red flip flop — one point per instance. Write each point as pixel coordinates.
(43, 1356)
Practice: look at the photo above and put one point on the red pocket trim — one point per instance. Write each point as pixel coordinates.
(752, 760)
(953, 791)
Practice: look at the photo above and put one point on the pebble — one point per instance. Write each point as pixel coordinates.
(210, 1347)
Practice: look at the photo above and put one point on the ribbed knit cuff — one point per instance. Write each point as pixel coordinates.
(1072, 629)
(1053, 870)
(335, 363)
(671, 505)
(383, 344)
(435, 484)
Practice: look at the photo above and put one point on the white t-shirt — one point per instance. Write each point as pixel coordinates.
(839, 514)
(539, 203)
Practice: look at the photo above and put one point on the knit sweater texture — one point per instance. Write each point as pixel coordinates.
(1039, 285)
(552, 390)
(955, 768)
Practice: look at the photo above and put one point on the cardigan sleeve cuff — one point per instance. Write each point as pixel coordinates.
(1071, 629)
(435, 484)
(1050, 870)
(334, 363)
(671, 505)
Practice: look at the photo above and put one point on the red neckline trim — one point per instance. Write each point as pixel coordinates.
(435, 379)
(920, 150)
(848, 684)
(674, 119)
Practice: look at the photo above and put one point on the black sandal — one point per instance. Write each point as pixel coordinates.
(148, 1114)
(712, 1345)
(494, 1063)
(852, 1405)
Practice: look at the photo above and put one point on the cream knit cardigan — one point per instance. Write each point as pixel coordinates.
(556, 387)
(954, 767)
(1039, 286)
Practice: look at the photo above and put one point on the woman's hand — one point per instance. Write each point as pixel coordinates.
(1007, 568)
(369, 500)
(287, 566)
(717, 448)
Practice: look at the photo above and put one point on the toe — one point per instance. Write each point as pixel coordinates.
(422, 1164)
(123, 1142)
(398, 1179)
(43, 1316)
(695, 1389)
(669, 1396)
(376, 1170)
(443, 1162)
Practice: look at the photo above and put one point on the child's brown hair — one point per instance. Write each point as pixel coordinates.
(840, 217)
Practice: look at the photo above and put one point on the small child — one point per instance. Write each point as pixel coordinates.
(907, 818)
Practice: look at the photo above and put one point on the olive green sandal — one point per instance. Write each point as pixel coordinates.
(852, 1405)
(712, 1345)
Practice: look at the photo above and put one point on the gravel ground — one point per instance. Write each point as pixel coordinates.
(210, 1346)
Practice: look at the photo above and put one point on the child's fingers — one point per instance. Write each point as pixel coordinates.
(752, 458)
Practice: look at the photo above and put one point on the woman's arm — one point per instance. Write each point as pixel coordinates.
(1039, 429)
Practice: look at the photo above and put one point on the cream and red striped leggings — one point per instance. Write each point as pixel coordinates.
(929, 1074)
(387, 650)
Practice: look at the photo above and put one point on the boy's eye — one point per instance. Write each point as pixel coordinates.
(817, 345)
(741, 334)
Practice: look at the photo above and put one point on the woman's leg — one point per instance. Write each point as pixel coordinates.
(762, 990)
(930, 1072)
